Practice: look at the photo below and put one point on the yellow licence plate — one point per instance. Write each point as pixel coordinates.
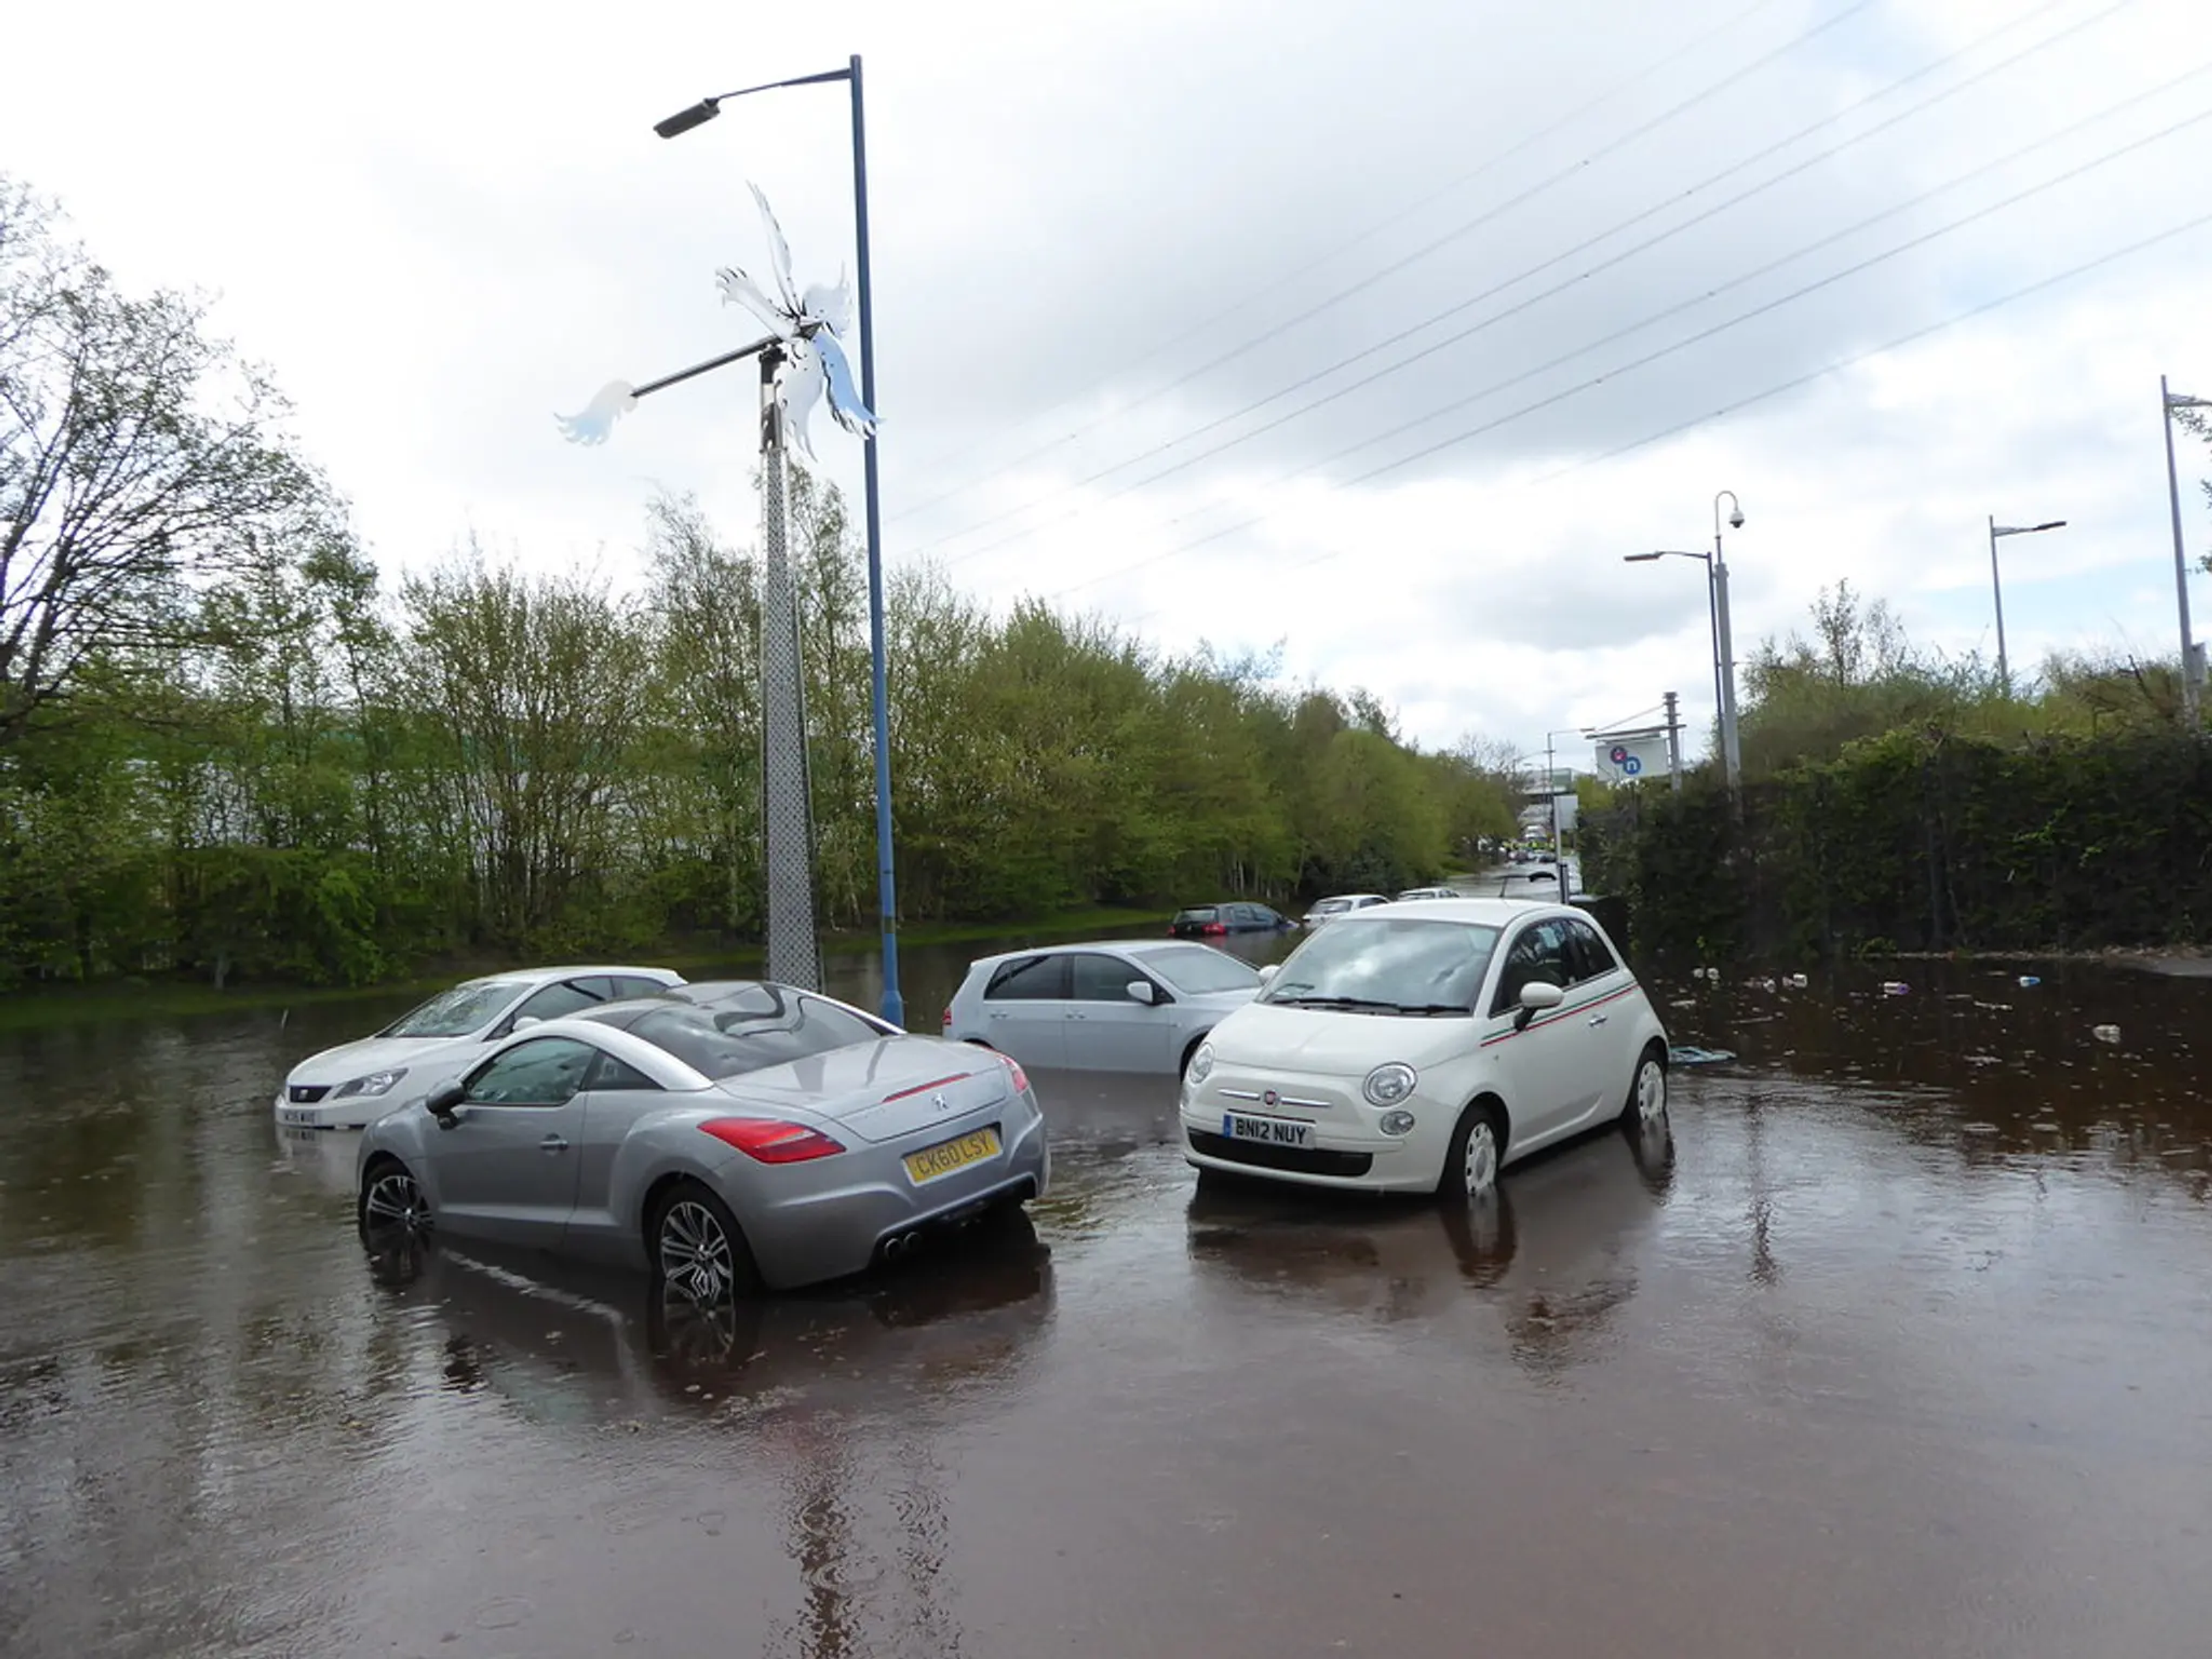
(942, 1159)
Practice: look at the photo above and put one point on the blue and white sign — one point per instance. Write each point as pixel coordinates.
(1626, 759)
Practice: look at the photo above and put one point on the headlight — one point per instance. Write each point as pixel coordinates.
(1202, 1064)
(1386, 1085)
(376, 1082)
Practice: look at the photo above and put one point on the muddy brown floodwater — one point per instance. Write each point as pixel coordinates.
(1898, 1342)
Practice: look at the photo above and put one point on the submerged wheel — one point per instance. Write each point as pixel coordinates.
(392, 1204)
(1471, 1165)
(1647, 1096)
(696, 1246)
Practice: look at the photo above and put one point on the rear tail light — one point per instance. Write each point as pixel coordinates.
(947, 1021)
(1021, 1077)
(772, 1141)
(1213, 928)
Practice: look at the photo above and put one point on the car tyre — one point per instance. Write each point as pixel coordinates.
(390, 1205)
(1477, 1152)
(696, 1247)
(1647, 1093)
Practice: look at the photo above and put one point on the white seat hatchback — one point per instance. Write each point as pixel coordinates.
(1422, 1047)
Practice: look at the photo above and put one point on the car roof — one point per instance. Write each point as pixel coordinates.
(1334, 899)
(1490, 911)
(1127, 946)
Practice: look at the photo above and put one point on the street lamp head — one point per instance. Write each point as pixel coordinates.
(1640, 558)
(1735, 518)
(685, 119)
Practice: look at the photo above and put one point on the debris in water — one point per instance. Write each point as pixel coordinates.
(1895, 988)
(2029, 982)
(1684, 1055)
(1799, 981)
(2106, 1034)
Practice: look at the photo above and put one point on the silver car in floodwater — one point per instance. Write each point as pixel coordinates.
(729, 1136)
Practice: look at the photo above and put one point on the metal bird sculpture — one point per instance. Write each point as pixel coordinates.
(804, 325)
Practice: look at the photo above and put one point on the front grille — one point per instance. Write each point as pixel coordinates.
(1296, 1160)
(305, 1094)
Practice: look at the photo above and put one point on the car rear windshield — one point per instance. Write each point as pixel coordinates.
(1205, 913)
(1330, 907)
(1196, 971)
(459, 1011)
(1378, 964)
(765, 1027)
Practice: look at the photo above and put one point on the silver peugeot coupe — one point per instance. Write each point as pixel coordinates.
(730, 1136)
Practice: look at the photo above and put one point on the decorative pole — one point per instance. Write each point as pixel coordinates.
(800, 361)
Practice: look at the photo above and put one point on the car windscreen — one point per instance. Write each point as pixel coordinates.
(1196, 971)
(1330, 907)
(769, 1027)
(1378, 964)
(1204, 912)
(459, 1011)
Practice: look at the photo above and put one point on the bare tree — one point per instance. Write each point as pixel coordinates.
(136, 455)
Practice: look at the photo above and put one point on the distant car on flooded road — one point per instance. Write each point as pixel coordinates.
(1114, 1005)
(731, 1137)
(352, 1085)
(1341, 904)
(1421, 1048)
(1215, 920)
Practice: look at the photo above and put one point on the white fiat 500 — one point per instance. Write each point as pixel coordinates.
(1424, 1047)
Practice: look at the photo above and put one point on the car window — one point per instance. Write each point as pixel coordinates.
(1264, 914)
(612, 1073)
(1587, 952)
(631, 985)
(1032, 979)
(1539, 953)
(546, 1072)
(566, 996)
(762, 1026)
(1200, 913)
(1095, 978)
(459, 1011)
(1196, 971)
(1371, 963)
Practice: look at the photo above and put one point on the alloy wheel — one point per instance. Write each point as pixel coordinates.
(394, 1202)
(696, 1256)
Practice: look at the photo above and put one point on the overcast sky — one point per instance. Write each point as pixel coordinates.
(1591, 269)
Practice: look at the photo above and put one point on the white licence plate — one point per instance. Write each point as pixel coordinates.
(298, 1120)
(1273, 1131)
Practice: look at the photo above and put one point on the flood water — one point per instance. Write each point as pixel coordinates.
(1896, 1342)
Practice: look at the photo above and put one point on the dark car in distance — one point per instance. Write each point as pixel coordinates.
(1216, 920)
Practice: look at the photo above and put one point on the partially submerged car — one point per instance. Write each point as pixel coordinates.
(730, 1137)
(350, 1086)
(1421, 1048)
(1341, 904)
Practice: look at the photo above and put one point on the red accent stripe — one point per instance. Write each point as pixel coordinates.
(1562, 1013)
(957, 1077)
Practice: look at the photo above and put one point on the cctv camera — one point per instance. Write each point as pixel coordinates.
(1735, 519)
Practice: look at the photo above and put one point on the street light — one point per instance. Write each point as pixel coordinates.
(698, 114)
(2192, 667)
(1997, 585)
(1731, 749)
(1712, 610)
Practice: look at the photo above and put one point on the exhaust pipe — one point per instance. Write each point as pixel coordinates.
(901, 1246)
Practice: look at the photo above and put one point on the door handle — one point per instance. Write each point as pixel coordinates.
(552, 1144)
(1600, 1019)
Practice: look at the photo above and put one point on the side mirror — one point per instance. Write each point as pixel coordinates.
(440, 1102)
(521, 1020)
(1535, 996)
(1140, 990)
(1267, 974)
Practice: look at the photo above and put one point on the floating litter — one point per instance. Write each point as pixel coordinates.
(1683, 1054)
(1798, 981)
(2028, 981)
(2106, 1033)
(1895, 988)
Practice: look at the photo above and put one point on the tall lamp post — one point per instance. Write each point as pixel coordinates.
(1997, 586)
(2192, 666)
(698, 114)
(1713, 608)
(1731, 749)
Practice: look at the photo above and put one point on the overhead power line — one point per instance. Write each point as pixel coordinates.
(1493, 319)
(1364, 283)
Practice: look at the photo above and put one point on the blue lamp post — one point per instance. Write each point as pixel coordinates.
(894, 1005)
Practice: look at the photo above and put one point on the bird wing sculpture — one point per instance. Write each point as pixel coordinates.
(800, 388)
(615, 398)
(779, 254)
(845, 405)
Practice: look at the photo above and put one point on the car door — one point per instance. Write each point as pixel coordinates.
(615, 1095)
(1602, 985)
(1108, 1029)
(1025, 1009)
(1549, 1068)
(507, 1169)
